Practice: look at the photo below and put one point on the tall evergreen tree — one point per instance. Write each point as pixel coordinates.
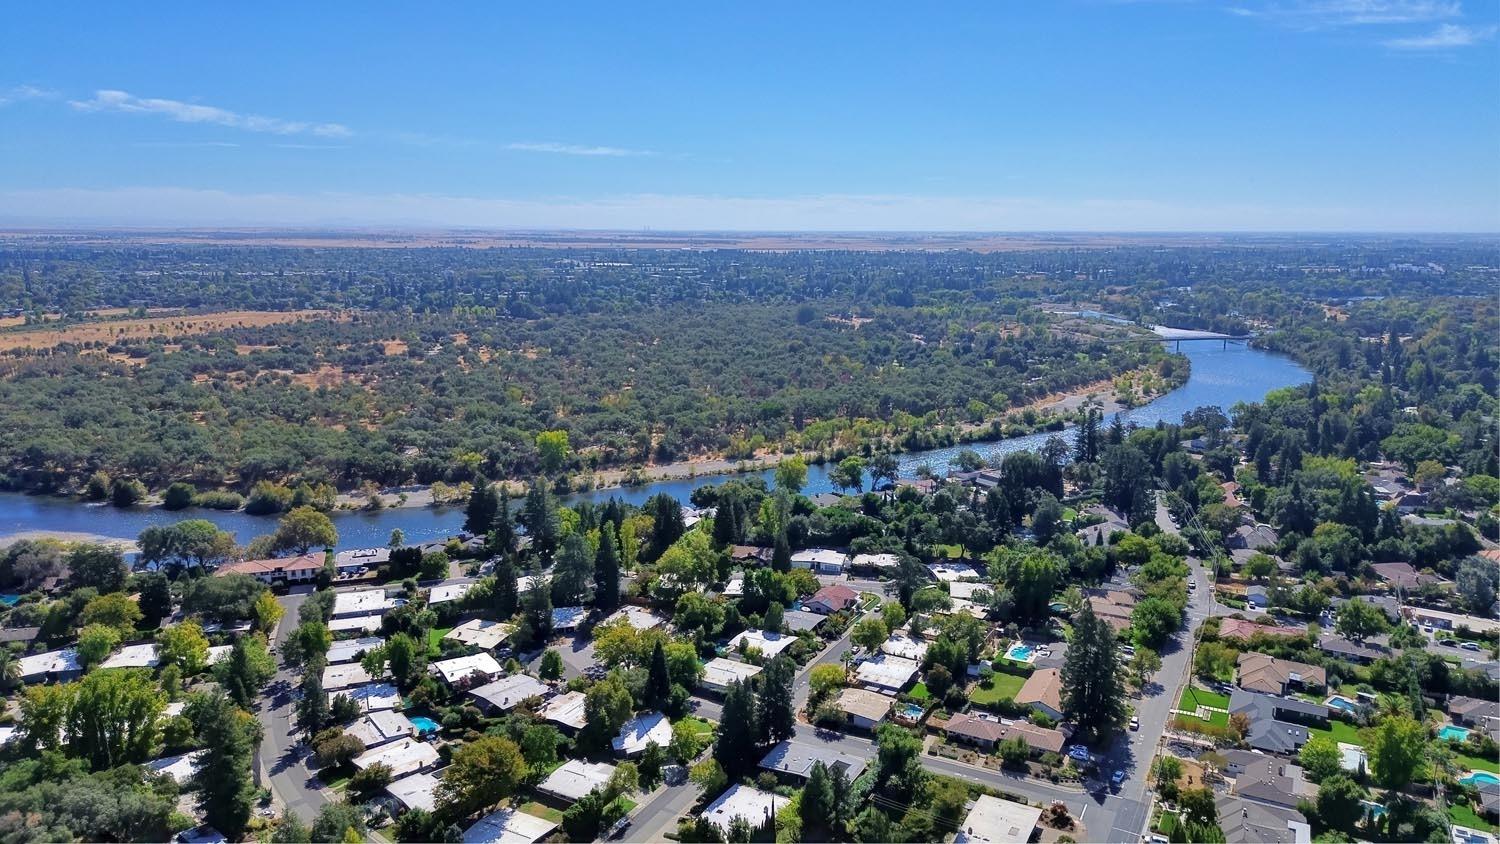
(501, 539)
(504, 598)
(312, 706)
(781, 554)
(1093, 695)
(777, 715)
(737, 748)
(539, 514)
(572, 578)
(484, 503)
(666, 525)
(817, 799)
(658, 679)
(607, 568)
(226, 791)
(1086, 438)
(536, 618)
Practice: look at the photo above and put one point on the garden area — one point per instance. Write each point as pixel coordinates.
(1002, 687)
(1192, 698)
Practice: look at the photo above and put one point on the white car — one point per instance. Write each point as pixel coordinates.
(1135, 722)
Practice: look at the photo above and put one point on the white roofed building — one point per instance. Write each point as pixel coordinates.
(506, 693)
(639, 617)
(566, 710)
(481, 633)
(381, 727)
(52, 665)
(769, 644)
(473, 668)
(508, 826)
(337, 677)
(373, 697)
(404, 756)
(742, 801)
(417, 791)
(133, 656)
(821, 560)
(641, 731)
(350, 650)
(445, 592)
(996, 821)
(887, 673)
(360, 602)
(719, 672)
(568, 618)
(576, 778)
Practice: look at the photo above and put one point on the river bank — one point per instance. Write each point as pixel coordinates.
(1220, 377)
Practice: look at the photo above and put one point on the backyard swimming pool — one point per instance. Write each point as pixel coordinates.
(909, 711)
(1477, 778)
(1453, 733)
(425, 725)
(1343, 703)
(1021, 652)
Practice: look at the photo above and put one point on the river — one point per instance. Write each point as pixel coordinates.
(1220, 376)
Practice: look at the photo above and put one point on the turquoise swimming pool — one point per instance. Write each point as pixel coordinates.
(1021, 652)
(425, 725)
(1453, 733)
(1480, 778)
(1342, 703)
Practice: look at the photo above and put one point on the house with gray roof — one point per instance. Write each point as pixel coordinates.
(1277, 724)
(1248, 822)
(796, 759)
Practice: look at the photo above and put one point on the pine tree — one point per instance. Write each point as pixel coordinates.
(781, 554)
(226, 791)
(659, 680)
(312, 707)
(572, 579)
(737, 749)
(777, 716)
(607, 569)
(775, 617)
(817, 798)
(539, 514)
(484, 502)
(1093, 695)
(504, 597)
(536, 620)
(501, 539)
(666, 525)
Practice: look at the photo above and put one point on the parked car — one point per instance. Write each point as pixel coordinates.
(1079, 753)
(1135, 722)
(1470, 646)
(1117, 777)
(1448, 643)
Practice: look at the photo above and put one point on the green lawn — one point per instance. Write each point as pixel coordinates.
(703, 727)
(435, 639)
(919, 692)
(1477, 763)
(1462, 815)
(1339, 731)
(1193, 698)
(541, 811)
(1004, 687)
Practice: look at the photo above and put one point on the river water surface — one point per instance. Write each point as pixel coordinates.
(1220, 376)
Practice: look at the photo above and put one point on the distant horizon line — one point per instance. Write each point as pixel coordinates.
(7, 227)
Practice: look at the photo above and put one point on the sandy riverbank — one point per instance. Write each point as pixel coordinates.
(127, 546)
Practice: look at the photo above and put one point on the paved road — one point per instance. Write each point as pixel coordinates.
(658, 813)
(292, 783)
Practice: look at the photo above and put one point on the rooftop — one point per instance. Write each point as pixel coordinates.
(566, 709)
(567, 618)
(639, 617)
(641, 731)
(382, 726)
(404, 756)
(481, 633)
(350, 650)
(508, 826)
(996, 821)
(360, 602)
(797, 758)
(769, 644)
(133, 656)
(417, 791)
(1044, 686)
(48, 663)
(343, 676)
(460, 668)
(445, 592)
(576, 778)
(887, 672)
(506, 692)
(742, 801)
(720, 672)
(864, 703)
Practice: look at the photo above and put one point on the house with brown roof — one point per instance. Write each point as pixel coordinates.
(1231, 494)
(1239, 628)
(300, 569)
(1042, 691)
(832, 599)
(1403, 575)
(866, 709)
(979, 730)
(1266, 674)
(1113, 607)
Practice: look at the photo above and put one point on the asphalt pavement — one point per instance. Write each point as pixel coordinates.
(280, 756)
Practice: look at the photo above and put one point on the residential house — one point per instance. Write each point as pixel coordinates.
(1247, 822)
(1042, 691)
(1341, 648)
(403, 756)
(1451, 620)
(1403, 576)
(1255, 537)
(349, 562)
(1112, 606)
(59, 666)
(640, 731)
(902, 645)
(638, 617)
(1256, 597)
(481, 633)
(467, 670)
(799, 621)
(180, 768)
(1259, 672)
(374, 697)
(361, 602)
(719, 672)
(874, 563)
(133, 656)
(983, 479)
(768, 643)
(757, 807)
(507, 693)
(445, 592)
(303, 568)
(567, 711)
(982, 731)
(832, 599)
(336, 677)
(749, 554)
(1474, 712)
(1277, 724)
(568, 618)
(575, 778)
(820, 560)
(351, 650)
(992, 820)
(795, 758)
(887, 673)
(1271, 781)
(950, 571)
(417, 791)
(1239, 628)
(381, 727)
(508, 826)
(866, 709)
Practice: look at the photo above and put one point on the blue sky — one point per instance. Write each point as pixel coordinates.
(1088, 115)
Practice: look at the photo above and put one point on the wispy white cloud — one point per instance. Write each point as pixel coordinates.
(1322, 14)
(1446, 37)
(183, 144)
(575, 149)
(124, 102)
(170, 206)
(21, 93)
